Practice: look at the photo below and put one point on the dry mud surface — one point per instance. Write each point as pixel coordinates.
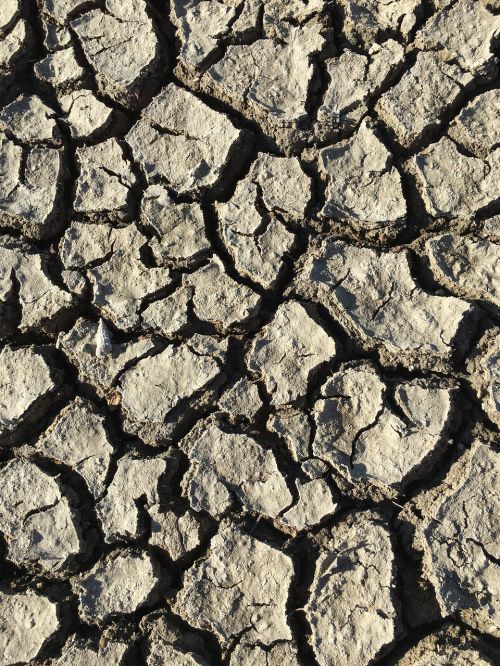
(249, 347)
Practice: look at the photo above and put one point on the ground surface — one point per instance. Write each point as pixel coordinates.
(249, 361)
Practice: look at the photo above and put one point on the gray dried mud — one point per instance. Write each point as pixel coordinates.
(249, 345)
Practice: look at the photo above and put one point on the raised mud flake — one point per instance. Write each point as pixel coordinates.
(279, 654)
(288, 351)
(200, 28)
(99, 360)
(122, 49)
(364, 187)
(218, 299)
(241, 586)
(293, 426)
(104, 180)
(181, 140)
(86, 116)
(241, 400)
(466, 32)
(362, 435)
(469, 266)
(34, 613)
(26, 283)
(165, 644)
(168, 316)
(179, 228)
(225, 464)
(452, 184)
(60, 70)
(418, 102)
(252, 221)
(276, 99)
(54, 15)
(78, 438)
(365, 21)
(484, 367)
(314, 504)
(460, 534)
(162, 391)
(30, 188)
(119, 584)
(476, 128)
(81, 652)
(352, 608)
(446, 647)
(354, 80)
(37, 520)
(30, 120)
(27, 384)
(374, 296)
(14, 43)
(136, 480)
(178, 535)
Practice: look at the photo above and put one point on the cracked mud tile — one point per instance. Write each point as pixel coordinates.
(26, 285)
(112, 261)
(25, 609)
(476, 127)
(78, 438)
(122, 49)
(179, 228)
(315, 503)
(241, 400)
(293, 426)
(365, 438)
(252, 221)
(484, 368)
(98, 360)
(226, 465)
(38, 523)
(240, 588)
(425, 93)
(352, 609)
(29, 383)
(30, 120)
(354, 80)
(166, 644)
(464, 31)
(181, 140)
(104, 180)
(218, 299)
(374, 295)
(136, 485)
(276, 99)
(364, 186)
(60, 71)
(82, 652)
(459, 536)
(119, 584)
(15, 40)
(368, 21)
(445, 647)
(467, 266)
(30, 189)
(177, 535)
(288, 351)
(454, 183)
(169, 316)
(86, 116)
(164, 391)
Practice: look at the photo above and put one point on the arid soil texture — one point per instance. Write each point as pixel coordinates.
(249, 347)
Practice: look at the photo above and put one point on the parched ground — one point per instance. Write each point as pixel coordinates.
(249, 357)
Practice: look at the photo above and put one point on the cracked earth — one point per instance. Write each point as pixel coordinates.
(249, 359)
